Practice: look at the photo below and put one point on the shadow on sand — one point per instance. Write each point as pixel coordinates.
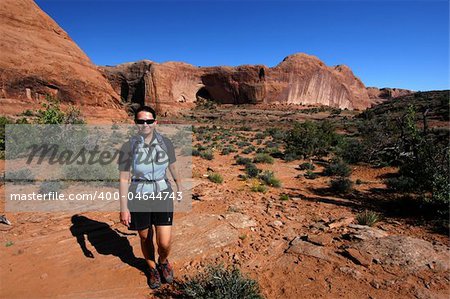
(105, 241)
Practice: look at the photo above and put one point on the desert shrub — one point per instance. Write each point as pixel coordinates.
(242, 144)
(335, 111)
(400, 184)
(351, 150)
(251, 170)
(207, 154)
(73, 116)
(22, 121)
(95, 174)
(28, 112)
(425, 165)
(201, 147)
(258, 187)
(341, 185)
(337, 167)
(284, 196)
(243, 160)
(215, 178)
(3, 122)
(228, 149)
(368, 218)
(195, 152)
(248, 150)
(310, 139)
(311, 175)
(50, 186)
(307, 166)
(187, 150)
(21, 176)
(52, 113)
(220, 282)
(277, 134)
(268, 177)
(260, 135)
(263, 158)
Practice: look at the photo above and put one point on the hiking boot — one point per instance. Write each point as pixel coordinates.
(154, 280)
(166, 271)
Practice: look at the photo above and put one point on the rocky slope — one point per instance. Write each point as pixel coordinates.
(39, 58)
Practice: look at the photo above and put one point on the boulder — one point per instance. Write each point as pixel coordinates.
(409, 253)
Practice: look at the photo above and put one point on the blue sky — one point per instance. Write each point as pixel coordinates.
(402, 44)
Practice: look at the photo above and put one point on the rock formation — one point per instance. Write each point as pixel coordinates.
(387, 93)
(298, 79)
(39, 58)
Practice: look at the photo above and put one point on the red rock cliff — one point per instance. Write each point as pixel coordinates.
(38, 58)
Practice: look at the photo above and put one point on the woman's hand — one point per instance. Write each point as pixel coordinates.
(125, 217)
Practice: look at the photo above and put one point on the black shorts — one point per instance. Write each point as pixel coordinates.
(143, 220)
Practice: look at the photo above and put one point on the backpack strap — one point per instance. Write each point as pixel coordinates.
(135, 142)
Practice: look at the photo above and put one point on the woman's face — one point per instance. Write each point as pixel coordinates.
(144, 127)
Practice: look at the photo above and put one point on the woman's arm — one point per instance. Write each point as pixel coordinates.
(125, 216)
(176, 177)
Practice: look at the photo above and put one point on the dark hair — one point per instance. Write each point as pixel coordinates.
(145, 109)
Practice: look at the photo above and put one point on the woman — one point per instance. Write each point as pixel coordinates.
(143, 161)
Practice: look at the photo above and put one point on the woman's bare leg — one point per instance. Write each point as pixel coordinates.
(147, 247)
(163, 239)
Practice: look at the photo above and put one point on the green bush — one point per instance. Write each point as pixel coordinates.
(310, 139)
(259, 188)
(220, 282)
(337, 167)
(284, 196)
(3, 122)
(215, 178)
(52, 114)
(95, 174)
(248, 149)
(269, 179)
(27, 112)
(341, 185)
(351, 150)
(228, 149)
(277, 134)
(400, 184)
(243, 160)
(21, 176)
(251, 170)
(50, 186)
(263, 158)
(207, 154)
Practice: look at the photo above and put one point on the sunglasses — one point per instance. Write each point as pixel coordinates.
(145, 121)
